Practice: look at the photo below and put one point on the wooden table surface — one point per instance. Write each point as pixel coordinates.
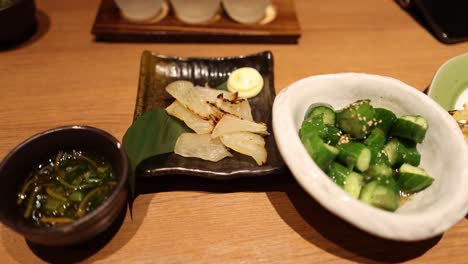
(62, 76)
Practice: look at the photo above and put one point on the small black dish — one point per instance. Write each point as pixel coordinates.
(22, 159)
(158, 70)
(17, 22)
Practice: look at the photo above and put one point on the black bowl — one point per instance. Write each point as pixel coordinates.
(17, 21)
(26, 156)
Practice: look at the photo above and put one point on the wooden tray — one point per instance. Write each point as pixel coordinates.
(110, 26)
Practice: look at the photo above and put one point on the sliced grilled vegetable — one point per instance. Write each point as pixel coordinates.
(354, 155)
(322, 153)
(323, 110)
(230, 124)
(413, 179)
(247, 143)
(356, 119)
(211, 95)
(192, 120)
(188, 96)
(412, 127)
(384, 119)
(401, 151)
(220, 119)
(383, 194)
(201, 146)
(239, 107)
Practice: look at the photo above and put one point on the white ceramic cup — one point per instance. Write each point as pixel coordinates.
(196, 11)
(139, 10)
(246, 11)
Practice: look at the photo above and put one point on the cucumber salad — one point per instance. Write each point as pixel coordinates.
(369, 152)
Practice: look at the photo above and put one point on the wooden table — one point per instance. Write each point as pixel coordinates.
(62, 76)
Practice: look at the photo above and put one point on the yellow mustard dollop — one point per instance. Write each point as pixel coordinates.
(246, 81)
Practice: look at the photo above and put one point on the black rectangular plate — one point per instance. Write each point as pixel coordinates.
(157, 71)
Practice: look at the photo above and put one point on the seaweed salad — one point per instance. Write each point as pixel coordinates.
(65, 187)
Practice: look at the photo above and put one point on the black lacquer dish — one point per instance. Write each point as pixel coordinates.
(157, 71)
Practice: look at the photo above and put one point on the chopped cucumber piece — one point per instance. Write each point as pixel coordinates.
(315, 125)
(410, 127)
(401, 151)
(379, 170)
(331, 135)
(323, 110)
(391, 149)
(354, 155)
(376, 138)
(385, 119)
(379, 166)
(357, 119)
(338, 173)
(383, 194)
(322, 153)
(353, 184)
(311, 126)
(413, 179)
(350, 181)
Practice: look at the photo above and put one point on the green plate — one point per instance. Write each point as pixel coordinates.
(449, 87)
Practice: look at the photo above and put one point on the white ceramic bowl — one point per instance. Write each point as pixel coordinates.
(444, 155)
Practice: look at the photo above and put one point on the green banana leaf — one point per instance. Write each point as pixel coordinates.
(153, 133)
